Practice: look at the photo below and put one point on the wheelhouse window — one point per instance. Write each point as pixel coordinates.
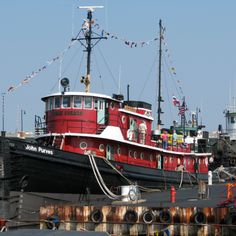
(50, 104)
(78, 102)
(112, 105)
(57, 102)
(87, 102)
(232, 120)
(66, 102)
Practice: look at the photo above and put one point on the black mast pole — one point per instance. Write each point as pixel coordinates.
(3, 115)
(88, 45)
(128, 92)
(183, 118)
(159, 123)
(88, 37)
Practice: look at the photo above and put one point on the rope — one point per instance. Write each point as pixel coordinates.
(4, 229)
(190, 181)
(181, 180)
(108, 68)
(100, 180)
(144, 189)
(114, 168)
(193, 176)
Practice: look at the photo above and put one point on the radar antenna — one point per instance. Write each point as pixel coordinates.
(88, 35)
(90, 8)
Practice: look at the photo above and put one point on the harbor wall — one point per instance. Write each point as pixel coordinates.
(140, 220)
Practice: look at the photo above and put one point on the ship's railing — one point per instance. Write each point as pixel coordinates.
(81, 126)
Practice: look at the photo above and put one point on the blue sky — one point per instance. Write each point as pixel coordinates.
(200, 42)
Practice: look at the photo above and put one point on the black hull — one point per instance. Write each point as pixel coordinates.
(56, 171)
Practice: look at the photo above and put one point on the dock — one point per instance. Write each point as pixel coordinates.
(193, 212)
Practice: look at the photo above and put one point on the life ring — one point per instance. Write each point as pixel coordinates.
(52, 222)
(148, 217)
(131, 216)
(96, 216)
(165, 216)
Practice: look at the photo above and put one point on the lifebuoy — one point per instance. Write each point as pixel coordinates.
(131, 216)
(96, 216)
(52, 222)
(148, 217)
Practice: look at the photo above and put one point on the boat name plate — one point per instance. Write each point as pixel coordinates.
(38, 149)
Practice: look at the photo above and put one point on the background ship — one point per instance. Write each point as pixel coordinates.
(224, 144)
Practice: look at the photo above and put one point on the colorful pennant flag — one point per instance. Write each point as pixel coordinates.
(182, 109)
(36, 72)
(176, 102)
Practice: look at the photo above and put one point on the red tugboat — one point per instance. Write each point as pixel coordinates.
(94, 142)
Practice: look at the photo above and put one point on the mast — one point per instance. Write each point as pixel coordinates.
(88, 37)
(3, 114)
(159, 111)
(88, 40)
(183, 118)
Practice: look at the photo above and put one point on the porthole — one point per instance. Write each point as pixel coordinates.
(123, 119)
(130, 153)
(101, 147)
(112, 105)
(135, 154)
(151, 157)
(83, 145)
(142, 155)
(118, 151)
